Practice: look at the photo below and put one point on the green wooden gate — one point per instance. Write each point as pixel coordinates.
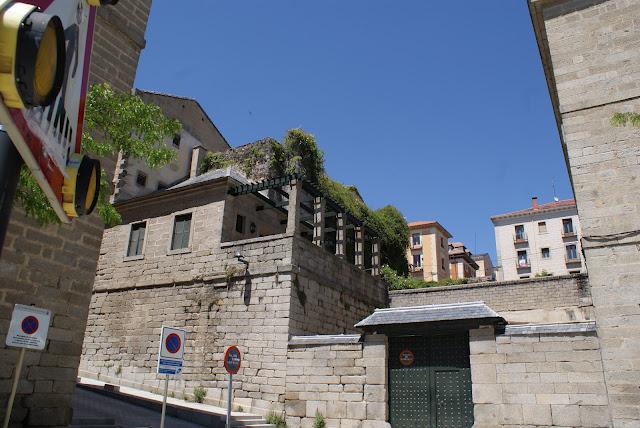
(430, 382)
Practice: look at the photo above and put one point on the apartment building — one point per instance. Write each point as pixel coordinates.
(485, 266)
(428, 251)
(542, 239)
(461, 263)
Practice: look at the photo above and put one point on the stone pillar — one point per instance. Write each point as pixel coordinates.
(341, 236)
(359, 262)
(375, 257)
(318, 220)
(293, 215)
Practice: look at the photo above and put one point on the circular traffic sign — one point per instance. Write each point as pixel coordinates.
(232, 359)
(173, 343)
(30, 324)
(406, 357)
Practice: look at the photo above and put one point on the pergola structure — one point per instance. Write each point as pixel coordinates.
(316, 216)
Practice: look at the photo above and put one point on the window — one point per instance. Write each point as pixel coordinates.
(523, 260)
(441, 242)
(546, 253)
(415, 239)
(240, 224)
(442, 264)
(542, 227)
(520, 232)
(417, 260)
(176, 141)
(141, 179)
(136, 239)
(162, 186)
(572, 252)
(181, 231)
(567, 226)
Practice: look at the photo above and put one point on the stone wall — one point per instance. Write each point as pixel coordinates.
(592, 64)
(54, 266)
(537, 379)
(345, 382)
(547, 299)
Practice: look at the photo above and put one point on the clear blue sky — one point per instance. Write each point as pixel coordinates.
(439, 108)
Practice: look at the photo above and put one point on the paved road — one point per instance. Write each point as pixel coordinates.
(89, 404)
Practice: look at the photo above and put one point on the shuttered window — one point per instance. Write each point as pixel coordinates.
(136, 239)
(181, 231)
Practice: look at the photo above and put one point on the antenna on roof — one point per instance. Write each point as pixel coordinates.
(555, 197)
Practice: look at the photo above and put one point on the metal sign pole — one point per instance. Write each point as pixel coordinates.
(10, 164)
(14, 388)
(229, 398)
(164, 400)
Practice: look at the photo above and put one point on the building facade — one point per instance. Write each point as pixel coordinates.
(461, 263)
(590, 56)
(54, 266)
(485, 266)
(541, 240)
(428, 252)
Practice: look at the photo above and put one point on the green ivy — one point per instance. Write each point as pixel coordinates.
(403, 282)
(114, 122)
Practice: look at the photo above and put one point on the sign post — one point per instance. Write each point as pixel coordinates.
(170, 359)
(232, 361)
(28, 330)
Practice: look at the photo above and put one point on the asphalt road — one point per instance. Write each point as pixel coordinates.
(92, 405)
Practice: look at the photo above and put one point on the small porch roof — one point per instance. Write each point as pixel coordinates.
(454, 315)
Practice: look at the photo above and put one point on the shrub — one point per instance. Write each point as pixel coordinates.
(542, 273)
(199, 393)
(213, 160)
(399, 282)
(319, 422)
(277, 420)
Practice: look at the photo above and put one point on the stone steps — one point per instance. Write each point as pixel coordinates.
(250, 421)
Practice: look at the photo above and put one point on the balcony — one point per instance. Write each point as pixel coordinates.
(417, 246)
(413, 268)
(569, 234)
(523, 264)
(520, 238)
(572, 260)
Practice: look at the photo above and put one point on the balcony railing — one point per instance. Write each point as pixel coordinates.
(523, 264)
(413, 268)
(571, 259)
(569, 233)
(416, 246)
(520, 238)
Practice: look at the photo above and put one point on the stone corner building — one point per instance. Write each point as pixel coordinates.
(590, 55)
(54, 266)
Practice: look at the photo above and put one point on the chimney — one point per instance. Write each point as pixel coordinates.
(197, 153)
(534, 202)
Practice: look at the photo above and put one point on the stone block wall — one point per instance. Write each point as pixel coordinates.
(536, 380)
(547, 299)
(589, 50)
(54, 266)
(344, 382)
(330, 295)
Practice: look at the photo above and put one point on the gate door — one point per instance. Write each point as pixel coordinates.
(430, 382)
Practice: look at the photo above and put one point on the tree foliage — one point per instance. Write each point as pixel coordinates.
(213, 160)
(404, 282)
(114, 122)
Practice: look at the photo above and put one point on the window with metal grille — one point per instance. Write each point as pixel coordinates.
(415, 239)
(572, 252)
(181, 231)
(519, 232)
(136, 239)
(567, 225)
(417, 260)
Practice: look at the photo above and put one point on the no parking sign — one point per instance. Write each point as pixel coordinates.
(171, 352)
(29, 327)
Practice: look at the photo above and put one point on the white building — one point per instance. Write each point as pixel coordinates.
(543, 239)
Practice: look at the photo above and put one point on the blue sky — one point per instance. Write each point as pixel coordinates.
(438, 108)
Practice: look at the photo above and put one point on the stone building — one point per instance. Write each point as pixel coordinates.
(232, 262)
(542, 239)
(197, 136)
(428, 253)
(54, 266)
(589, 51)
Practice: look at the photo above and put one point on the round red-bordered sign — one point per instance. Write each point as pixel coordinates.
(232, 359)
(30, 325)
(173, 343)
(406, 357)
